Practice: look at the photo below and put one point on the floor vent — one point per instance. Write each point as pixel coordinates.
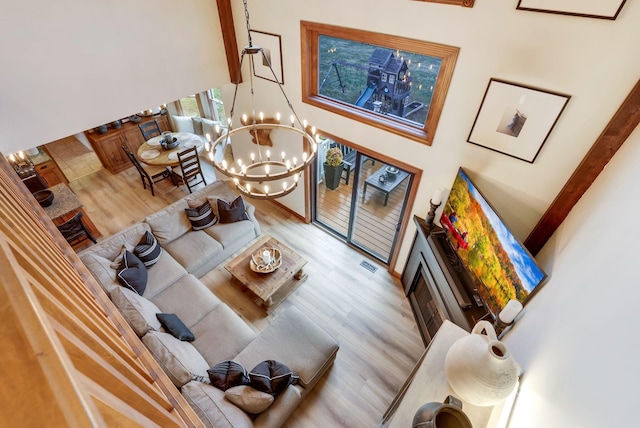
(368, 266)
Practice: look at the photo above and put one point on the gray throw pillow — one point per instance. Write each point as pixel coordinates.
(197, 125)
(227, 374)
(232, 212)
(271, 377)
(133, 273)
(139, 312)
(176, 327)
(180, 360)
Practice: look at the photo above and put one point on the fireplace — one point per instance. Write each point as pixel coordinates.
(437, 286)
(426, 308)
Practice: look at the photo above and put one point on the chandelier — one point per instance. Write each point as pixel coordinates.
(261, 165)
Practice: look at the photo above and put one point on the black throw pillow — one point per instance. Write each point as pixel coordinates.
(232, 212)
(227, 374)
(201, 217)
(132, 273)
(176, 327)
(271, 377)
(148, 250)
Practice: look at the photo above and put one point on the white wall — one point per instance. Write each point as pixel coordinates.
(71, 65)
(578, 339)
(589, 59)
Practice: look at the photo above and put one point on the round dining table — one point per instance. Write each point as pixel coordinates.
(152, 153)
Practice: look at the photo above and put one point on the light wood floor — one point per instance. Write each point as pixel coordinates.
(365, 312)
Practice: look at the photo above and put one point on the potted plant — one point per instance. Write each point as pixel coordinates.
(333, 168)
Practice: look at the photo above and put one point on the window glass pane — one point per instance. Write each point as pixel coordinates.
(356, 73)
(190, 106)
(215, 96)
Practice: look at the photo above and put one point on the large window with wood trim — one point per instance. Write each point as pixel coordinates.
(202, 104)
(389, 82)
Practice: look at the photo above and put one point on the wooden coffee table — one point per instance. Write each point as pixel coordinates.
(268, 289)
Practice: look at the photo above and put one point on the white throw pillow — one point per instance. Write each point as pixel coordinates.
(249, 399)
(183, 124)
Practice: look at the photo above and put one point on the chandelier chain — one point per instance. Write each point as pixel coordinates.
(246, 17)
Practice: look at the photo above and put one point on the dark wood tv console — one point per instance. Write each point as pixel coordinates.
(438, 286)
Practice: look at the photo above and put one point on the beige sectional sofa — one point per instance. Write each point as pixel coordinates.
(220, 334)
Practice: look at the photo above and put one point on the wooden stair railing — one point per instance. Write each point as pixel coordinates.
(68, 357)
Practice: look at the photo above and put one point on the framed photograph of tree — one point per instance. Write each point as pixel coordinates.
(516, 120)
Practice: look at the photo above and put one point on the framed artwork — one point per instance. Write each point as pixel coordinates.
(585, 8)
(272, 46)
(516, 120)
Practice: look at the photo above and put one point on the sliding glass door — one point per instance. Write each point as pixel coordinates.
(367, 204)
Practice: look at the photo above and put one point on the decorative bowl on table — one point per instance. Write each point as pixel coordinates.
(391, 172)
(170, 145)
(265, 260)
(44, 197)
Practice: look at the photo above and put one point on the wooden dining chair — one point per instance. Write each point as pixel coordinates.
(149, 174)
(150, 129)
(75, 232)
(189, 171)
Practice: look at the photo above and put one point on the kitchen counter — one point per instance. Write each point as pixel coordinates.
(64, 201)
(41, 157)
(65, 205)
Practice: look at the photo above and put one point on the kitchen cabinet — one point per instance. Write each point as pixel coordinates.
(163, 123)
(50, 173)
(108, 147)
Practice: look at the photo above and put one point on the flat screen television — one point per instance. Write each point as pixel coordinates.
(500, 266)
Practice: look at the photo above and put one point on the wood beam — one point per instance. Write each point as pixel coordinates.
(229, 38)
(623, 122)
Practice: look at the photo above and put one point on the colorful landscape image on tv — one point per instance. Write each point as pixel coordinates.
(500, 265)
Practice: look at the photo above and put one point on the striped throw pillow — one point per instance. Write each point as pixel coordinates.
(201, 217)
(148, 250)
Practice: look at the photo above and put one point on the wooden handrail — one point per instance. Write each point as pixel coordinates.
(69, 357)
